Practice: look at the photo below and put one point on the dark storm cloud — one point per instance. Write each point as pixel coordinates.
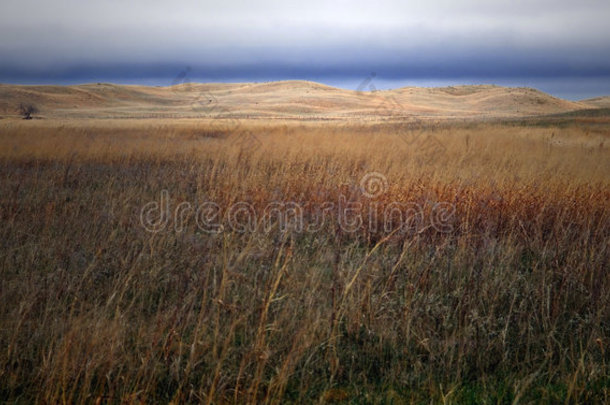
(69, 40)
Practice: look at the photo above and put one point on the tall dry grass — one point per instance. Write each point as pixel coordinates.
(510, 304)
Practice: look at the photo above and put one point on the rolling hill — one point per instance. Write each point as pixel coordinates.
(285, 99)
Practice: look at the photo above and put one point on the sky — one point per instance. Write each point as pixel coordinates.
(559, 46)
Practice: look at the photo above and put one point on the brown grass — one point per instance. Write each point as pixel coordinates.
(510, 304)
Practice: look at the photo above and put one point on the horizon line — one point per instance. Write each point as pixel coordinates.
(259, 82)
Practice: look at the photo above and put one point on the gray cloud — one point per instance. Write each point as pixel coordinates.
(410, 39)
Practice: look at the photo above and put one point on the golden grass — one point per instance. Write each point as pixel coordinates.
(511, 303)
(296, 99)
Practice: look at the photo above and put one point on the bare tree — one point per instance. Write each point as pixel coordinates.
(26, 110)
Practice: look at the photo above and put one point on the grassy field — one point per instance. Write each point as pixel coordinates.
(489, 284)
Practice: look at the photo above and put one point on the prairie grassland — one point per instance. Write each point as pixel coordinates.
(508, 303)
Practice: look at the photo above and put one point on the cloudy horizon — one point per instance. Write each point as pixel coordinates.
(557, 46)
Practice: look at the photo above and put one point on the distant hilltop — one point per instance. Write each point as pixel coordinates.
(282, 99)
